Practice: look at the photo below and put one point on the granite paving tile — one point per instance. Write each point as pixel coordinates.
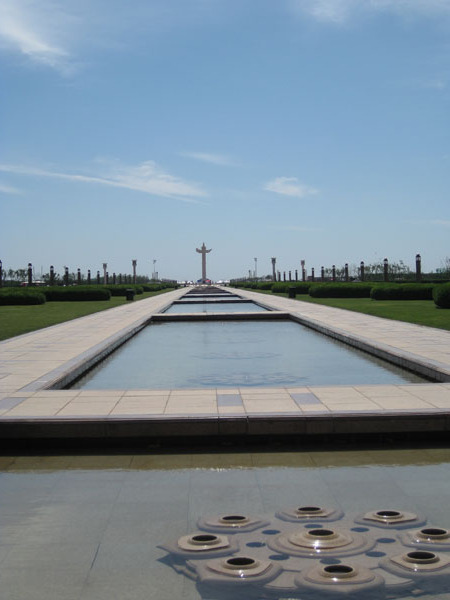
(8, 403)
(94, 408)
(29, 358)
(312, 408)
(139, 410)
(231, 410)
(397, 402)
(266, 397)
(229, 400)
(305, 398)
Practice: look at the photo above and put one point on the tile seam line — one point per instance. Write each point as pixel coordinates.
(275, 301)
(334, 309)
(415, 362)
(112, 312)
(89, 357)
(93, 355)
(78, 364)
(59, 378)
(427, 367)
(42, 383)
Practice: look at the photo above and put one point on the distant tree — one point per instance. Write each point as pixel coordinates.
(445, 269)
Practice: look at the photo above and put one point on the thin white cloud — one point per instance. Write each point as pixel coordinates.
(146, 177)
(437, 83)
(38, 31)
(215, 159)
(332, 11)
(64, 35)
(341, 11)
(443, 222)
(289, 186)
(421, 222)
(7, 189)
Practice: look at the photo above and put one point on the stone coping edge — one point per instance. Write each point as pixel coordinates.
(412, 362)
(64, 375)
(218, 316)
(227, 426)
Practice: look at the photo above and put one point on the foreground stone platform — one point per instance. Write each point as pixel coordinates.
(31, 364)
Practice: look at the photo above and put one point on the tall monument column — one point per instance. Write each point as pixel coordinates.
(203, 251)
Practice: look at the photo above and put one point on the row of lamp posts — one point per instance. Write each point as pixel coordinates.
(66, 275)
(276, 275)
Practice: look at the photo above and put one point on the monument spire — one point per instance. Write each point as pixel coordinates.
(203, 251)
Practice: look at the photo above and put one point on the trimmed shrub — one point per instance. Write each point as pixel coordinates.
(16, 297)
(340, 290)
(76, 293)
(265, 285)
(152, 287)
(441, 295)
(404, 291)
(300, 288)
(121, 289)
(280, 287)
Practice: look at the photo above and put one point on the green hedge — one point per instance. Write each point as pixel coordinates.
(152, 287)
(76, 293)
(265, 285)
(121, 289)
(404, 291)
(300, 288)
(340, 290)
(281, 287)
(10, 298)
(441, 295)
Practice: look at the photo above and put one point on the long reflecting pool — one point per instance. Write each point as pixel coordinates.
(92, 527)
(237, 353)
(207, 307)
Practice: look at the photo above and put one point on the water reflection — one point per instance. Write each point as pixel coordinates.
(88, 527)
(211, 354)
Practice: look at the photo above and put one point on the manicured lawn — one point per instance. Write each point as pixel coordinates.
(15, 320)
(421, 312)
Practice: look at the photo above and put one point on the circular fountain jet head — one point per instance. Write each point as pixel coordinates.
(203, 545)
(427, 537)
(418, 564)
(339, 578)
(234, 520)
(310, 513)
(237, 570)
(200, 542)
(316, 542)
(232, 523)
(391, 519)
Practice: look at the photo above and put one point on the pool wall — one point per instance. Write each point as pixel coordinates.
(33, 364)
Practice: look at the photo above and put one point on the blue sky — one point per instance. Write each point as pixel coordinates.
(300, 129)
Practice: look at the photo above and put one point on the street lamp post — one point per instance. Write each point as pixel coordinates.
(274, 273)
(256, 269)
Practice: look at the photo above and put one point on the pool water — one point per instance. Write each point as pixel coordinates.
(208, 307)
(89, 527)
(220, 354)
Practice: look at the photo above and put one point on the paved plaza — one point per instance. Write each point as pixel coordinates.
(32, 363)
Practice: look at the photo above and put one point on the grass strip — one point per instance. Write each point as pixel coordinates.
(419, 312)
(16, 320)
